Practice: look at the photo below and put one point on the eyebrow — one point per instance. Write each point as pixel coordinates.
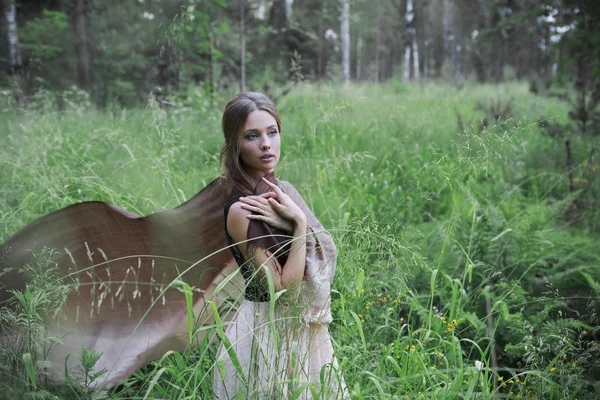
(256, 130)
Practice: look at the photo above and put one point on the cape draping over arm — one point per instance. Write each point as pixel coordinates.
(116, 306)
(321, 260)
(321, 253)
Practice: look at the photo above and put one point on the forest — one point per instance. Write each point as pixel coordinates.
(450, 147)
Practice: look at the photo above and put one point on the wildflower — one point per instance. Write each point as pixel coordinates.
(401, 319)
(511, 394)
(500, 378)
(524, 383)
(378, 294)
(367, 308)
(412, 347)
(443, 319)
(552, 369)
(395, 301)
(454, 322)
(407, 347)
(510, 382)
(573, 365)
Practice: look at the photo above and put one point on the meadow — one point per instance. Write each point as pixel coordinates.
(468, 259)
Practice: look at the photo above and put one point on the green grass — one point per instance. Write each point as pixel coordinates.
(461, 235)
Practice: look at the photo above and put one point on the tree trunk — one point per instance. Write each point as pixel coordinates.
(438, 30)
(346, 40)
(401, 36)
(358, 57)
(81, 45)
(10, 51)
(411, 58)
(242, 47)
(420, 18)
(377, 43)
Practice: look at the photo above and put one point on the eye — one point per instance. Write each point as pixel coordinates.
(250, 136)
(273, 132)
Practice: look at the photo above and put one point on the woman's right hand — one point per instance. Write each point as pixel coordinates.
(285, 206)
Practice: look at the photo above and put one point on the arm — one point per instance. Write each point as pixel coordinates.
(292, 272)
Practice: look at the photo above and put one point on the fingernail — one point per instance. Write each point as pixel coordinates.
(242, 197)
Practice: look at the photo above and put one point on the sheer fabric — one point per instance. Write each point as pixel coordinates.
(126, 272)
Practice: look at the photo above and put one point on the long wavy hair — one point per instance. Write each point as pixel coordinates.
(234, 117)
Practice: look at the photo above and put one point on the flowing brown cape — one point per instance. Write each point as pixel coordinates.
(125, 271)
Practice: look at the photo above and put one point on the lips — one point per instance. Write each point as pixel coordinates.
(266, 156)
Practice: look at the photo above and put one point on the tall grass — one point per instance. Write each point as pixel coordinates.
(459, 273)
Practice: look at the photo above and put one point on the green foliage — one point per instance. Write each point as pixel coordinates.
(452, 243)
(42, 36)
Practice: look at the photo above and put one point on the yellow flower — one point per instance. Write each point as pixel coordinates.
(500, 378)
(552, 369)
(367, 308)
(510, 382)
(574, 365)
(412, 347)
(407, 347)
(443, 319)
(378, 294)
(454, 322)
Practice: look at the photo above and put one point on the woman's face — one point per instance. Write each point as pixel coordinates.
(261, 144)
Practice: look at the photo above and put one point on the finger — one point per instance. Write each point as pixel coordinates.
(254, 202)
(252, 208)
(260, 198)
(268, 195)
(274, 187)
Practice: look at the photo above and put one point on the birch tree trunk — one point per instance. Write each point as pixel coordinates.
(346, 40)
(10, 52)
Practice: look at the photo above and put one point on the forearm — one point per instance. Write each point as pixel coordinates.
(293, 271)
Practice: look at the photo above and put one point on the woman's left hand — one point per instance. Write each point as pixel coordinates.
(266, 212)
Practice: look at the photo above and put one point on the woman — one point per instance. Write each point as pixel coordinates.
(271, 355)
(126, 271)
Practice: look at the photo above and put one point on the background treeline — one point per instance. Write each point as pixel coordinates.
(120, 51)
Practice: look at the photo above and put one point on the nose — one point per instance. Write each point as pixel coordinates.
(265, 144)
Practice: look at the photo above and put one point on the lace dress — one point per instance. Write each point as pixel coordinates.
(273, 358)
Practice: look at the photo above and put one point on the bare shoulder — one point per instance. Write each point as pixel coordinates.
(237, 223)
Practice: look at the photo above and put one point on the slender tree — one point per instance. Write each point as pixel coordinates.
(346, 40)
(78, 23)
(242, 36)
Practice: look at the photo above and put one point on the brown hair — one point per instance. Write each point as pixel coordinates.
(234, 118)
